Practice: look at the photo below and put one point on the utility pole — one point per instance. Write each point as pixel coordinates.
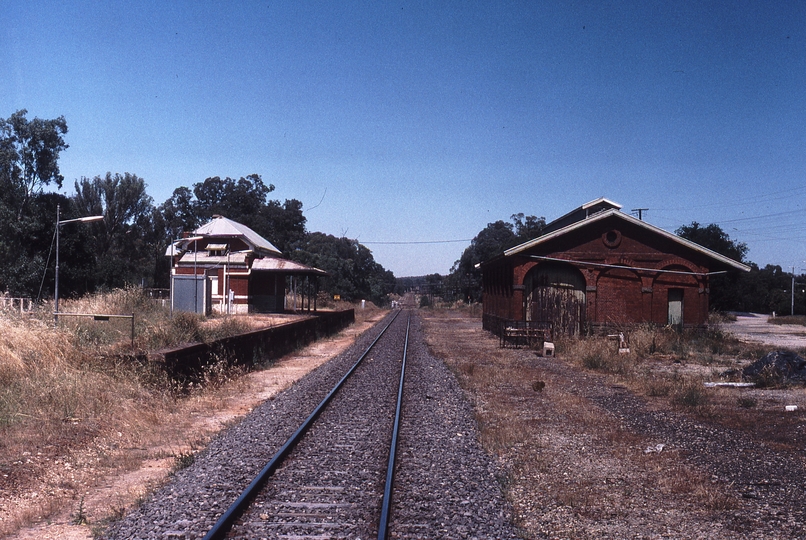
(792, 308)
(640, 212)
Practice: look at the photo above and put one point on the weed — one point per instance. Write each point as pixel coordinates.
(658, 386)
(768, 377)
(81, 516)
(468, 368)
(601, 354)
(747, 402)
(594, 360)
(691, 394)
(183, 460)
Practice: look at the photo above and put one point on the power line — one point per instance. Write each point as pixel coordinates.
(778, 214)
(420, 242)
(756, 200)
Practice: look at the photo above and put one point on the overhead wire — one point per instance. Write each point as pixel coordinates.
(418, 242)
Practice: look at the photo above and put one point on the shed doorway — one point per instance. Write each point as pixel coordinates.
(675, 307)
(555, 293)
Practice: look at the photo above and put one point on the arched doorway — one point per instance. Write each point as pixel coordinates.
(555, 292)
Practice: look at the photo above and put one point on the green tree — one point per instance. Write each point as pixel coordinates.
(29, 153)
(29, 157)
(354, 273)
(527, 227)
(724, 288)
(464, 280)
(713, 238)
(244, 200)
(179, 213)
(238, 200)
(126, 241)
(283, 224)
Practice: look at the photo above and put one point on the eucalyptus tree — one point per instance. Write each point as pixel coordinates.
(125, 242)
(29, 158)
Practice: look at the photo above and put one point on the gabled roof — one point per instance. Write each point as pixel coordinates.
(221, 227)
(601, 216)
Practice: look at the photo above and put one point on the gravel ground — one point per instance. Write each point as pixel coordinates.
(768, 483)
(448, 487)
(445, 486)
(753, 327)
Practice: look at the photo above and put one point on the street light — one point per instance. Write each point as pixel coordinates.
(59, 223)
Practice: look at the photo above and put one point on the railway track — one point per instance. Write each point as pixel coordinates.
(328, 486)
(318, 464)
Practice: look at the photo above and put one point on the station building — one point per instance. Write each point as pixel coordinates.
(598, 268)
(226, 267)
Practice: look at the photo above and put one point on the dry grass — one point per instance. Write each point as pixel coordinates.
(664, 363)
(154, 325)
(69, 398)
(799, 320)
(573, 471)
(56, 397)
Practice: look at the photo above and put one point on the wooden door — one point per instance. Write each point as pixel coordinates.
(675, 310)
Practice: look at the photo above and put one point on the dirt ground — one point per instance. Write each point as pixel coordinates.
(588, 456)
(105, 492)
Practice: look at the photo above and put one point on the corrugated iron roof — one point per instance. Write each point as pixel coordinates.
(271, 264)
(203, 257)
(221, 227)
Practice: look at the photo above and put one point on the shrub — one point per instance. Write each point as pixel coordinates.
(600, 354)
(747, 402)
(691, 393)
(658, 386)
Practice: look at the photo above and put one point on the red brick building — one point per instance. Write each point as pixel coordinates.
(227, 267)
(599, 267)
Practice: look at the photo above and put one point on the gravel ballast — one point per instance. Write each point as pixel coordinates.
(447, 488)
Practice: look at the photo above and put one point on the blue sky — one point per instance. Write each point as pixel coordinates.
(424, 121)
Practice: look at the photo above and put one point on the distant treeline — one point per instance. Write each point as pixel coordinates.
(128, 246)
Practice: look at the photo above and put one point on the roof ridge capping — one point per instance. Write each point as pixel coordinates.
(581, 213)
(599, 201)
(621, 215)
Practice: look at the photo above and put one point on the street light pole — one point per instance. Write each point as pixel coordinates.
(56, 286)
(59, 223)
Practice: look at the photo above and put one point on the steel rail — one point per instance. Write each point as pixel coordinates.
(383, 526)
(225, 522)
